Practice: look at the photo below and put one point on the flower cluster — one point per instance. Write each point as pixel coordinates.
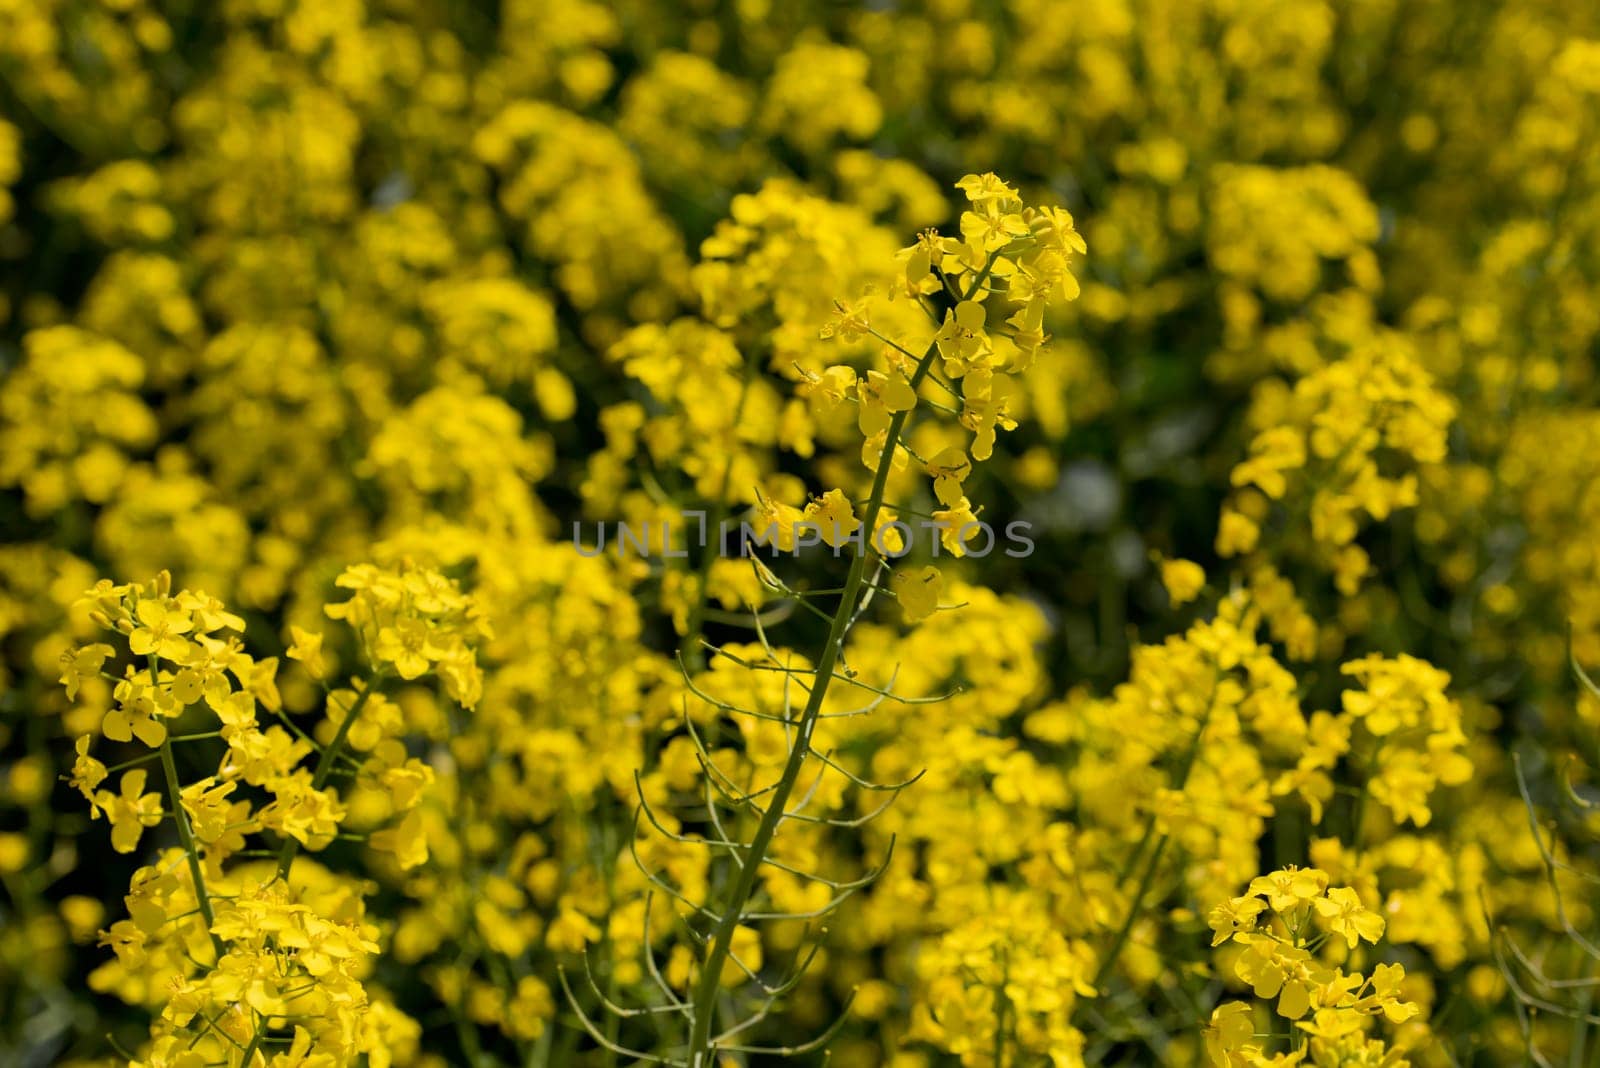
(1413, 731)
(1283, 924)
(1321, 466)
(1005, 248)
(1006, 976)
(231, 952)
(1271, 326)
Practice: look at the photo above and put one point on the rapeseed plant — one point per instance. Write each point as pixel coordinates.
(1120, 480)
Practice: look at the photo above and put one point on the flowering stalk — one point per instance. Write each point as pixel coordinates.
(703, 1003)
(1282, 922)
(299, 957)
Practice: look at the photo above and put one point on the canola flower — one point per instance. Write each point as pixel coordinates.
(323, 324)
(1282, 922)
(245, 946)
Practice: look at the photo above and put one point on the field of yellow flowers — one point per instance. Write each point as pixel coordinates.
(999, 533)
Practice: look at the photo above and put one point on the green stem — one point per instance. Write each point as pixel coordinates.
(180, 816)
(135, 762)
(703, 1003)
(186, 838)
(325, 764)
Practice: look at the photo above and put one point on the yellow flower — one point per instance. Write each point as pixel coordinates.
(1274, 969)
(918, 592)
(1345, 915)
(772, 524)
(1184, 579)
(206, 802)
(1237, 533)
(949, 469)
(889, 540)
(1228, 1032)
(961, 338)
(130, 811)
(986, 404)
(570, 931)
(134, 715)
(83, 663)
(917, 276)
(87, 772)
(1273, 453)
(308, 815)
(405, 646)
(881, 395)
(955, 525)
(406, 840)
(833, 516)
(852, 319)
(1289, 888)
(1234, 916)
(828, 390)
(1386, 980)
(986, 188)
(161, 630)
